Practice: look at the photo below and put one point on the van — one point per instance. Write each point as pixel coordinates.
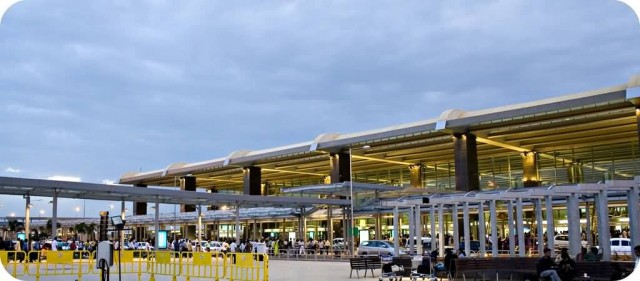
(620, 246)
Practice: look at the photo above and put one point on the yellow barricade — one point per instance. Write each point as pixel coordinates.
(15, 262)
(131, 262)
(70, 263)
(247, 267)
(208, 265)
(164, 263)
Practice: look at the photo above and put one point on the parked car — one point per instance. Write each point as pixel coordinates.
(378, 247)
(620, 246)
(474, 245)
(215, 246)
(562, 241)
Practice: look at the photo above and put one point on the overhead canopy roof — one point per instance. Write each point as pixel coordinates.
(48, 188)
(341, 189)
(562, 129)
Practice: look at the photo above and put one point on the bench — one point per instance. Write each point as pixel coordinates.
(364, 263)
(602, 270)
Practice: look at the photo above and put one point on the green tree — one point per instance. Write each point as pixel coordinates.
(91, 229)
(80, 228)
(50, 227)
(15, 226)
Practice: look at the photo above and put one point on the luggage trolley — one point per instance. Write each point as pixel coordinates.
(392, 271)
(424, 271)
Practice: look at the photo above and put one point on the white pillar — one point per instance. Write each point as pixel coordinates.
(467, 229)
(156, 222)
(540, 228)
(54, 216)
(411, 224)
(634, 224)
(432, 230)
(329, 224)
(512, 237)
(27, 222)
(396, 232)
(456, 231)
(520, 224)
(418, 229)
(573, 217)
(123, 217)
(481, 229)
(199, 227)
(494, 228)
(602, 202)
(550, 225)
(441, 230)
(238, 225)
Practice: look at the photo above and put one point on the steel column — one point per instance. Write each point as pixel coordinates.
(634, 224)
(512, 237)
(573, 217)
(441, 230)
(481, 230)
(456, 231)
(551, 232)
(494, 228)
(520, 223)
(418, 229)
(467, 229)
(540, 228)
(604, 236)
(432, 230)
(396, 232)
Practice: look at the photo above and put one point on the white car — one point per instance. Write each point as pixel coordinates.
(378, 247)
(562, 241)
(620, 246)
(215, 246)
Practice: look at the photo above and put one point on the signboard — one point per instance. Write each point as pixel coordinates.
(22, 236)
(162, 239)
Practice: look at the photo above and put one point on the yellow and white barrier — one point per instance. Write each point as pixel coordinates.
(191, 265)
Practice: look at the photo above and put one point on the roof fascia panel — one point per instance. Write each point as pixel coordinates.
(369, 136)
(584, 99)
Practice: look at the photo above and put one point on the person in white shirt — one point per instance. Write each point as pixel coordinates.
(54, 245)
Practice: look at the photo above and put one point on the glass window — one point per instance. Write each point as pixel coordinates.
(625, 242)
(615, 243)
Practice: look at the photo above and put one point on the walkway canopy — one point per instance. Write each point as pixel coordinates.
(80, 190)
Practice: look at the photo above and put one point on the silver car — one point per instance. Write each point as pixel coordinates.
(377, 247)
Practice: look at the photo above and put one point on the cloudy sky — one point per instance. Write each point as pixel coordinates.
(93, 89)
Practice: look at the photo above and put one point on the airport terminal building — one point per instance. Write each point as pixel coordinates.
(573, 158)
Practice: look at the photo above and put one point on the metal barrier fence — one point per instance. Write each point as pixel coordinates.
(12, 262)
(205, 265)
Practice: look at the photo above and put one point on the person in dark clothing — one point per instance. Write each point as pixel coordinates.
(566, 268)
(546, 266)
(449, 262)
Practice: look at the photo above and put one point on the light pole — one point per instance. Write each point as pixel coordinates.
(352, 241)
